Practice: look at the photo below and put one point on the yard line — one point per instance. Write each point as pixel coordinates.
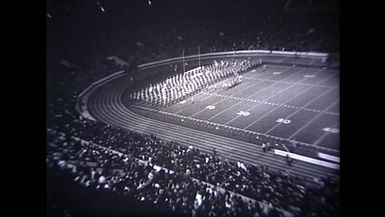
(327, 77)
(328, 111)
(249, 71)
(238, 102)
(201, 94)
(311, 120)
(209, 95)
(287, 100)
(271, 69)
(184, 107)
(276, 108)
(278, 104)
(235, 128)
(288, 82)
(313, 73)
(259, 101)
(323, 136)
(249, 97)
(225, 96)
(308, 103)
(305, 67)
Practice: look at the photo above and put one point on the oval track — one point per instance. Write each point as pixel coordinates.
(105, 105)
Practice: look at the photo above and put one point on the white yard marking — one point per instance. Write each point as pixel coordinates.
(309, 76)
(183, 108)
(210, 107)
(243, 100)
(242, 113)
(284, 121)
(331, 130)
(182, 102)
(238, 129)
(277, 73)
(266, 99)
(324, 135)
(318, 84)
(278, 106)
(230, 95)
(209, 95)
(327, 77)
(291, 115)
(311, 120)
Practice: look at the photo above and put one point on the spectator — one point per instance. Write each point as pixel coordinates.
(264, 147)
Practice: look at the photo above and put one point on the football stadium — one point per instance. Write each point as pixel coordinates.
(192, 119)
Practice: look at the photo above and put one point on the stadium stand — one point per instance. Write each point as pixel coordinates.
(105, 157)
(170, 176)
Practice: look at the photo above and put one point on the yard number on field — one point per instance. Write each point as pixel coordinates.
(242, 113)
(331, 130)
(284, 121)
(210, 107)
(309, 76)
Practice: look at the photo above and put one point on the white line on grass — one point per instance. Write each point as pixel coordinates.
(323, 136)
(328, 77)
(235, 128)
(290, 98)
(244, 100)
(225, 96)
(259, 102)
(308, 103)
(266, 114)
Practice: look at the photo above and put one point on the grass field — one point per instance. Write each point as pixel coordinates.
(295, 103)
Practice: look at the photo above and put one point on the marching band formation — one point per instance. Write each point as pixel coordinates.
(180, 86)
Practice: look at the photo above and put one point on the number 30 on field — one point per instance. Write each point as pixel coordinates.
(284, 121)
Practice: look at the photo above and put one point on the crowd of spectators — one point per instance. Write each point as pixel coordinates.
(268, 33)
(190, 181)
(79, 141)
(102, 169)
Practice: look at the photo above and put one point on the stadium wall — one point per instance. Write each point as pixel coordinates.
(242, 53)
(83, 96)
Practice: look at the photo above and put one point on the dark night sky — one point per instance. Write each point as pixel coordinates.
(74, 21)
(139, 12)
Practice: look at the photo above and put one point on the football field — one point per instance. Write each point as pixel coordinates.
(294, 103)
(291, 104)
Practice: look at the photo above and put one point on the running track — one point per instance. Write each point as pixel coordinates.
(105, 105)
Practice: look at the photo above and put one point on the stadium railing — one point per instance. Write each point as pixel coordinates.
(240, 53)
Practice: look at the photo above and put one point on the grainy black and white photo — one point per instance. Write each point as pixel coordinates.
(193, 108)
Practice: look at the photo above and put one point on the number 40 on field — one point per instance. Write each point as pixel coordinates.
(284, 121)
